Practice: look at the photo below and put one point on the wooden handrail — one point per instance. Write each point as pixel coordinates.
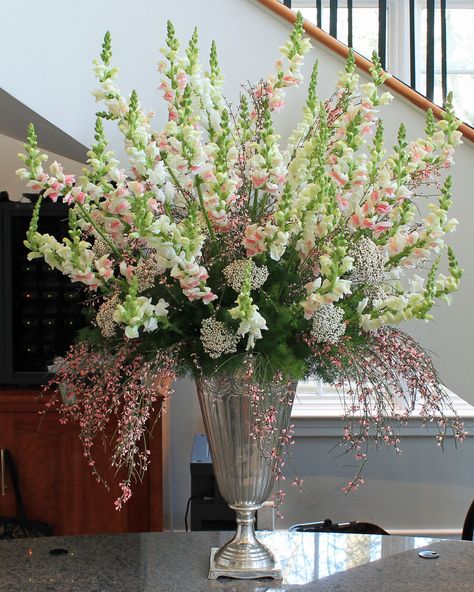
(364, 64)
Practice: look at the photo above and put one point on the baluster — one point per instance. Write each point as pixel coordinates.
(430, 19)
(444, 52)
(383, 33)
(333, 18)
(412, 45)
(319, 15)
(349, 23)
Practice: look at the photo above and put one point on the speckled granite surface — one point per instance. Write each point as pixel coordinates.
(178, 562)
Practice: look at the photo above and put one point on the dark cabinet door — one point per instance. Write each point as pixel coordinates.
(40, 309)
(57, 483)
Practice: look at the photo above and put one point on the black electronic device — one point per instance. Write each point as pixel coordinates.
(39, 312)
(209, 510)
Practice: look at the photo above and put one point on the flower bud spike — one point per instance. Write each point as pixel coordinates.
(192, 53)
(430, 127)
(297, 34)
(214, 63)
(454, 269)
(445, 200)
(171, 40)
(312, 100)
(376, 71)
(31, 135)
(106, 53)
(350, 61)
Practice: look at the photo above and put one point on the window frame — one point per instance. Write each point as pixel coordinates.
(314, 400)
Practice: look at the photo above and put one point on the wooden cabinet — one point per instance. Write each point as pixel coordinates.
(56, 481)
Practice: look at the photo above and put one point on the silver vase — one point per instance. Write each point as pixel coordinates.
(243, 461)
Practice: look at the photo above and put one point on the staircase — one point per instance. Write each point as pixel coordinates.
(427, 44)
(15, 117)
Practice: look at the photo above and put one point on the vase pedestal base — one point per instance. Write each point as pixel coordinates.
(242, 574)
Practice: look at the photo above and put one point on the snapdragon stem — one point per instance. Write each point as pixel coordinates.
(173, 327)
(176, 182)
(197, 184)
(292, 258)
(263, 204)
(168, 211)
(99, 231)
(254, 205)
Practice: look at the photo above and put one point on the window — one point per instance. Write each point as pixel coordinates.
(314, 399)
(460, 42)
(460, 56)
(365, 22)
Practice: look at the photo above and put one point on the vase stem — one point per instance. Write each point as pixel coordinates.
(245, 532)
(244, 556)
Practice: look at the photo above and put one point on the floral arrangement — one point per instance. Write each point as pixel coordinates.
(217, 243)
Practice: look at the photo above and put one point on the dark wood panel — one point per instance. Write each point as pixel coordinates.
(57, 482)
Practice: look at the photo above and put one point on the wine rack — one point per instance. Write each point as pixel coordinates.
(39, 307)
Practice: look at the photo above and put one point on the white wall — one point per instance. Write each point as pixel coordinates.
(56, 82)
(422, 489)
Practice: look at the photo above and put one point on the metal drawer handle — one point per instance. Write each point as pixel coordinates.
(2, 471)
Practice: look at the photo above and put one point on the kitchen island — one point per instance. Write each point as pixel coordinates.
(179, 562)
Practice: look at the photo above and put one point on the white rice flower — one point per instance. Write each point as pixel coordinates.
(100, 248)
(328, 325)
(234, 274)
(147, 270)
(105, 314)
(368, 267)
(217, 339)
(374, 292)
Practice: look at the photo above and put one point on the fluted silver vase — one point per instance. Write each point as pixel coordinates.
(244, 426)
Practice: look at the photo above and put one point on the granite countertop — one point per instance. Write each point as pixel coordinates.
(178, 562)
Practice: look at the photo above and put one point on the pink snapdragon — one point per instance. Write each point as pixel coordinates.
(340, 177)
(254, 240)
(259, 179)
(54, 190)
(39, 183)
(87, 278)
(119, 206)
(105, 267)
(182, 80)
(192, 278)
(76, 195)
(126, 270)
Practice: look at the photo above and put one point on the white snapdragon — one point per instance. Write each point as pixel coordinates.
(140, 312)
(252, 323)
(74, 259)
(329, 287)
